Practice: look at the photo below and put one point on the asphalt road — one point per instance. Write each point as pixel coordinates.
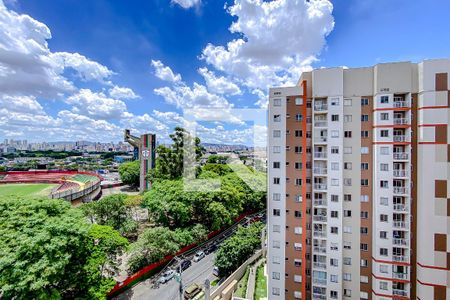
(198, 272)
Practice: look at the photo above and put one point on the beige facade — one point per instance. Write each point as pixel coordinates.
(358, 190)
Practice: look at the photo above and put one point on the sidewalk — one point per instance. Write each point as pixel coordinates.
(252, 280)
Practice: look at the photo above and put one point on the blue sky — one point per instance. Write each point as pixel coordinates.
(76, 70)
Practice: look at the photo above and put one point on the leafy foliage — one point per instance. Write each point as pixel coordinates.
(217, 159)
(111, 211)
(237, 249)
(130, 172)
(169, 163)
(49, 251)
(157, 242)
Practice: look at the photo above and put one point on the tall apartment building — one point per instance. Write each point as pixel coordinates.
(358, 198)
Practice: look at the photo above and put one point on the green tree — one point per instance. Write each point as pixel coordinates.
(152, 245)
(169, 163)
(238, 248)
(217, 159)
(130, 172)
(106, 244)
(2, 169)
(49, 251)
(111, 211)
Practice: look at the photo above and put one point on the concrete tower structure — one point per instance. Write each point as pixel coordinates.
(145, 147)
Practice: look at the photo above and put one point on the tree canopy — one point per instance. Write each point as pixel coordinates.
(130, 172)
(169, 163)
(49, 251)
(237, 249)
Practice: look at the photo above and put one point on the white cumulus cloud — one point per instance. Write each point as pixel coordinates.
(96, 105)
(276, 35)
(165, 73)
(122, 93)
(186, 3)
(219, 85)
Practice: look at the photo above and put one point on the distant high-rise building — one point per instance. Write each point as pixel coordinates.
(358, 197)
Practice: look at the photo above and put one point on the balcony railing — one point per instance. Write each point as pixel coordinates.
(321, 234)
(400, 173)
(319, 297)
(400, 156)
(400, 121)
(399, 190)
(320, 186)
(400, 224)
(402, 276)
(320, 155)
(397, 292)
(320, 281)
(320, 171)
(319, 265)
(400, 138)
(320, 139)
(320, 249)
(400, 207)
(320, 202)
(320, 218)
(400, 242)
(400, 104)
(400, 258)
(320, 106)
(320, 123)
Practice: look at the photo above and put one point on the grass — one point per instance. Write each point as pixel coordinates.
(261, 283)
(25, 190)
(242, 285)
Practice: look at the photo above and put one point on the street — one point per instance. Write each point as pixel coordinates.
(197, 273)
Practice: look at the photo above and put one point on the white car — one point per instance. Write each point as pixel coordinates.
(166, 276)
(199, 256)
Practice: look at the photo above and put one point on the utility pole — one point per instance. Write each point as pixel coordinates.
(179, 279)
(207, 289)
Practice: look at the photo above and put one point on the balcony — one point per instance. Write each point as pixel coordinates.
(400, 173)
(399, 138)
(320, 171)
(320, 106)
(400, 190)
(320, 281)
(320, 218)
(400, 242)
(319, 297)
(401, 156)
(319, 265)
(400, 258)
(400, 121)
(320, 249)
(400, 224)
(320, 186)
(397, 292)
(400, 207)
(398, 104)
(320, 123)
(401, 276)
(320, 202)
(320, 155)
(320, 234)
(320, 139)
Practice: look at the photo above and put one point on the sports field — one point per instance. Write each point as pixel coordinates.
(32, 189)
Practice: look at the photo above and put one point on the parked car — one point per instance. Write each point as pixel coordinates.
(166, 276)
(185, 264)
(199, 256)
(216, 271)
(192, 291)
(211, 248)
